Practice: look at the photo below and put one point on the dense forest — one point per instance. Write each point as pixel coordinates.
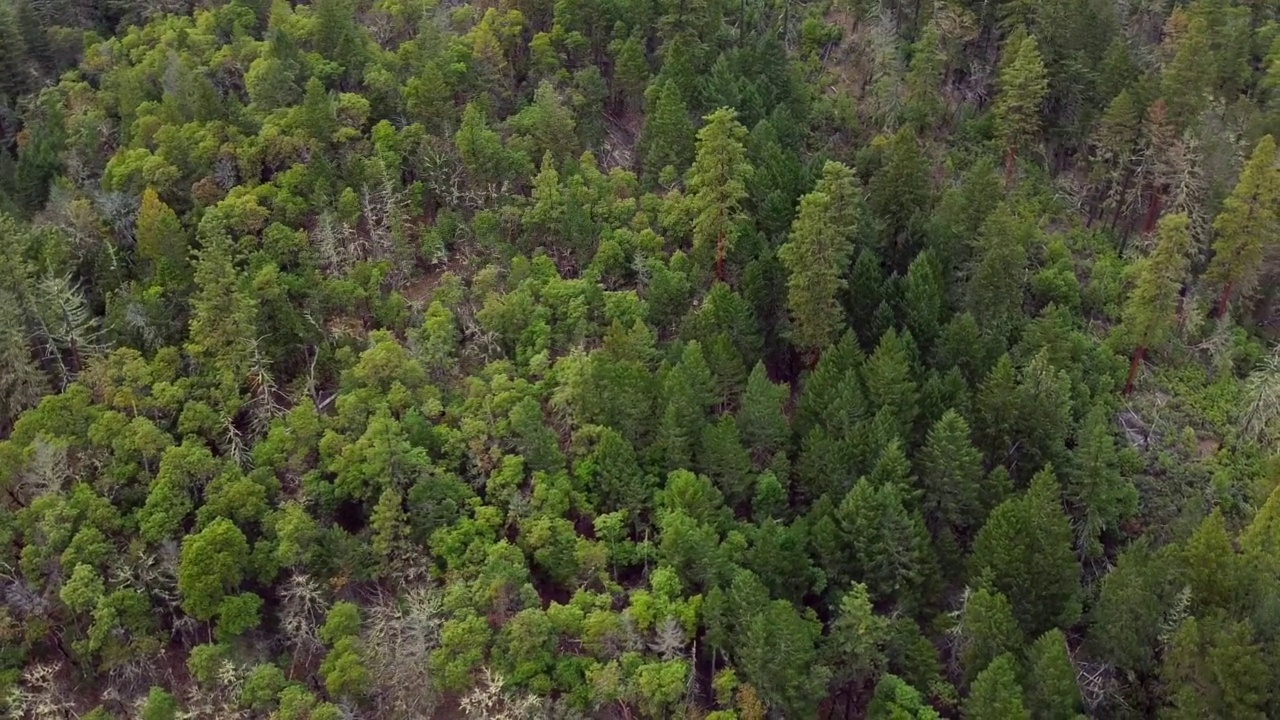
(901, 360)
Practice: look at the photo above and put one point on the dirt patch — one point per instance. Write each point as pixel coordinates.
(1208, 446)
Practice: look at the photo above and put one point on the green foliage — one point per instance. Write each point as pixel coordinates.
(1052, 691)
(996, 694)
(213, 563)
(637, 359)
(1025, 551)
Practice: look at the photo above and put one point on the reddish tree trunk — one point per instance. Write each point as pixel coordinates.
(1224, 302)
(1010, 164)
(1135, 364)
(1153, 211)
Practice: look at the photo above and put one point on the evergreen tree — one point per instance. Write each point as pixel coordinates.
(723, 458)
(1151, 310)
(1128, 617)
(339, 38)
(865, 294)
(1185, 83)
(951, 477)
(891, 384)
(1248, 225)
(987, 630)
(1213, 668)
(816, 256)
(1052, 692)
(761, 416)
(717, 185)
(898, 195)
(1102, 497)
(1021, 86)
(996, 694)
(924, 299)
(998, 278)
(874, 538)
(160, 239)
(1025, 551)
(223, 316)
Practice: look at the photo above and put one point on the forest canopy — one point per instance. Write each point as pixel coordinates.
(639, 359)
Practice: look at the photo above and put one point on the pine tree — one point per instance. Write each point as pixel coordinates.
(340, 38)
(1025, 551)
(1095, 487)
(723, 458)
(761, 416)
(1129, 616)
(891, 385)
(950, 472)
(223, 315)
(987, 630)
(874, 538)
(924, 298)
(1248, 226)
(996, 694)
(1052, 691)
(865, 294)
(689, 389)
(1215, 574)
(631, 73)
(925, 104)
(1214, 669)
(1022, 86)
(160, 239)
(717, 185)
(997, 282)
(668, 137)
(1184, 82)
(1150, 312)
(898, 195)
(819, 249)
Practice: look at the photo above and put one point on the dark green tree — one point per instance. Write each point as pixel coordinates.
(1025, 550)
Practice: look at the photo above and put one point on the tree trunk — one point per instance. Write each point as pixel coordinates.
(1010, 165)
(1224, 302)
(1153, 211)
(1135, 364)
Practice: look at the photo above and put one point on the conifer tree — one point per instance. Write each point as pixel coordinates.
(891, 385)
(996, 694)
(1052, 691)
(1022, 86)
(340, 38)
(761, 415)
(898, 195)
(1213, 668)
(1248, 225)
(1215, 574)
(223, 315)
(1025, 551)
(717, 185)
(816, 257)
(997, 282)
(874, 538)
(987, 630)
(1102, 497)
(160, 238)
(924, 298)
(1129, 616)
(865, 293)
(950, 472)
(1150, 312)
(1184, 80)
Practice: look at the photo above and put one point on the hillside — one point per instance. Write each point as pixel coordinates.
(389, 359)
